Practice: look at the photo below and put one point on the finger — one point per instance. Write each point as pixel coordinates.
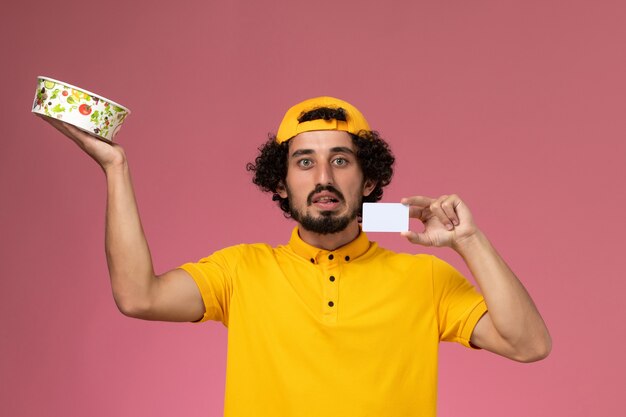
(50, 120)
(418, 200)
(78, 136)
(449, 206)
(417, 238)
(74, 131)
(84, 135)
(415, 212)
(57, 124)
(419, 213)
(61, 127)
(438, 211)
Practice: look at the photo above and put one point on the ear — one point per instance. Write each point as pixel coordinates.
(368, 187)
(281, 190)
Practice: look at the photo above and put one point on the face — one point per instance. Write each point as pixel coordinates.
(324, 183)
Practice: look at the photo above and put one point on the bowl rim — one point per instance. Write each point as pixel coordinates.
(43, 77)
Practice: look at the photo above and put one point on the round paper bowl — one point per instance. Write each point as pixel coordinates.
(87, 111)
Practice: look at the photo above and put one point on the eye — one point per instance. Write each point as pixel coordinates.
(341, 161)
(305, 163)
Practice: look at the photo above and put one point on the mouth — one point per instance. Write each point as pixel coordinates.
(325, 201)
(325, 198)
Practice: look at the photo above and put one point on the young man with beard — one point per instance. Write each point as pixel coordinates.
(329, 324)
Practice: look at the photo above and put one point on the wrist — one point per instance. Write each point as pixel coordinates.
(471, 243)
(116, 161)
(114, 168)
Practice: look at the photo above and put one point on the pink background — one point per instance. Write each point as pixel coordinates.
(517, 106)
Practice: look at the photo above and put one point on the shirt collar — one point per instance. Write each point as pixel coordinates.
(347, 252)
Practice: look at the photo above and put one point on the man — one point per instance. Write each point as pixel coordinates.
(329, 324)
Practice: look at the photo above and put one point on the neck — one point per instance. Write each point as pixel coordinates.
(330, 241)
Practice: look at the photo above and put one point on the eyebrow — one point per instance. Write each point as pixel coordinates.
(300, 152)
(343, 149)
(337, 149)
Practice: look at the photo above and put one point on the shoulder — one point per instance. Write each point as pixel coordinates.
(241, 252)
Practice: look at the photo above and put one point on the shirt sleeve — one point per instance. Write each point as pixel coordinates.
(459, 305)
(214, 277)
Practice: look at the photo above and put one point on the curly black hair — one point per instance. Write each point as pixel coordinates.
(373, 154)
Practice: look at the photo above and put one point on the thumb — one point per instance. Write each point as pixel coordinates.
(417, 238)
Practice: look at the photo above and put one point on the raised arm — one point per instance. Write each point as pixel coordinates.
(513, 326)
(137, 291)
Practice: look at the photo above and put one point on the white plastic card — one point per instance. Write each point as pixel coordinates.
(385, 217)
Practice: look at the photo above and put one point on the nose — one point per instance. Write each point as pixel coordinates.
(325, 174)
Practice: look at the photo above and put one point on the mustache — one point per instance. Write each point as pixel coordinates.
(319, 188)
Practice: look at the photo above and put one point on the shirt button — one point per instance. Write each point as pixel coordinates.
(330, 303)
(347, 258)
(331, 257)
(332, 278)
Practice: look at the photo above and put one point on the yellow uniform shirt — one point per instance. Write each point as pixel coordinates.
(352, 332)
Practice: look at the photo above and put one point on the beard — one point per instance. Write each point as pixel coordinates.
(327, 222)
